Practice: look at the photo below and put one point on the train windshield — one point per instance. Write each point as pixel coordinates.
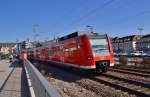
(100, 46)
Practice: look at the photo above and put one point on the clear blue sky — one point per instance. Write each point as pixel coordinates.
(60, 17)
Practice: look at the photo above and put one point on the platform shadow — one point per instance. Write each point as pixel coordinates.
(24, 85)
(66, 74)
(15, 64)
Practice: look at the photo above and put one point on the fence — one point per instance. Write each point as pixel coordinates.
(41, 87)
(138, 61)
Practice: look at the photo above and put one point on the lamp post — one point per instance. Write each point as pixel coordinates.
(35, 34)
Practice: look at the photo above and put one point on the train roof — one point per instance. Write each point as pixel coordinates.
(76, 34)
(72, 35)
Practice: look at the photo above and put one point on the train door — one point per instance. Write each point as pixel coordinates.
(62, 54)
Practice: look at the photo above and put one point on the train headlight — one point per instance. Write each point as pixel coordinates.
(90, 58)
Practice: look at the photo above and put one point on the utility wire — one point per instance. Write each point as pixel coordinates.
(145, 12)
(118, 7)
(91, 12)
(70, 12)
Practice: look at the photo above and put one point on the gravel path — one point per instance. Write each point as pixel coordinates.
(70, 89)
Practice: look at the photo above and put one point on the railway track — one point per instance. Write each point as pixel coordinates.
(135, 70)
(131, 81)
(130, 72)
(85, 82)
(134, 87)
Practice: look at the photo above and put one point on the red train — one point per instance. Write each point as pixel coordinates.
(88, 51)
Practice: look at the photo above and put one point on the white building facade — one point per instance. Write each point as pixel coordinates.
(125, 44)
(144, 43)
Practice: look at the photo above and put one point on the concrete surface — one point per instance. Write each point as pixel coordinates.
(13, 82)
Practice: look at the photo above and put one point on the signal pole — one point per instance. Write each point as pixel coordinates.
(89, 29)
(140, 30)
(17, 48)
(35, 34)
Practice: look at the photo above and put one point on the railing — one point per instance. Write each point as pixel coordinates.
(41, 87)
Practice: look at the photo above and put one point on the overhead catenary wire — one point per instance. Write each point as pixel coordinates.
(118, 7)
(89, 13)
(124, 19)
(93, 11)
(70, 12)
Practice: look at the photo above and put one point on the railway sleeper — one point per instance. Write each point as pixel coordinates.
(121, 87)
(135, 70)
(129, 72)
(128, 80)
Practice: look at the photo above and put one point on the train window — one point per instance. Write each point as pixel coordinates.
(100, 46)
(50, 52)
(53, 49)
(71, 54)
(78, 44)
(38, 53)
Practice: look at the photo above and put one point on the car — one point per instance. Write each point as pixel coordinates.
(123, 54)
(136, 53)
(144, 54)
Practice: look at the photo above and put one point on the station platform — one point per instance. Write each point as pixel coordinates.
(13, 81)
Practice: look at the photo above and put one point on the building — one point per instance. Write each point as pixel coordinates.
(144, 43)
(115, 43)
(125, 44)
(7, 44)
(4, 50)
(7, 48)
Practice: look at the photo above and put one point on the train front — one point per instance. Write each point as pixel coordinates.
(102, 52)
